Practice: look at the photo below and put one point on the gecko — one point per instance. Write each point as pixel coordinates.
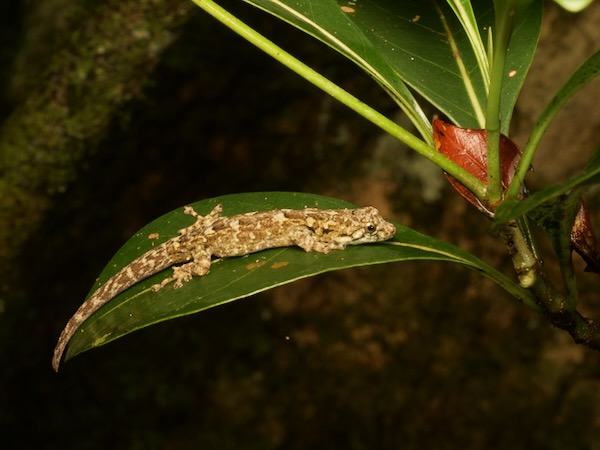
(191, 252)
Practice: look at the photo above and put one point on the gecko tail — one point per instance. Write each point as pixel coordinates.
(83, 313)
(65, 337)
(139, 269)
(114, 286)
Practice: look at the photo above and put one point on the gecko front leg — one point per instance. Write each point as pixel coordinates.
(201, 221)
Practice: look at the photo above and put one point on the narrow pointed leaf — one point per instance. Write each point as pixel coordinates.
(512, 209)
(463, 9)
(236, 278)
(587, 72)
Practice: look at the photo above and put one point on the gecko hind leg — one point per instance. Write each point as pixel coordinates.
(306, 240)
(198, 267)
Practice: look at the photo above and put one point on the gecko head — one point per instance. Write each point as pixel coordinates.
(366, 225)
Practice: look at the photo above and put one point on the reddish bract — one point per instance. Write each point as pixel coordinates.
(468, 148)
(583, 240)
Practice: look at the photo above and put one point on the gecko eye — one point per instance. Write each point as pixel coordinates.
(371, 228)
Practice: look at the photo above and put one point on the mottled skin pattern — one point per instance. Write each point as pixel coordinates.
(213, 235)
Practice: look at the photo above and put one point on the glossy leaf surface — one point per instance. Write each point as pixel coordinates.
(403, 41)
(236, 278)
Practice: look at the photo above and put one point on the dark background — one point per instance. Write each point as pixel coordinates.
(411, 355)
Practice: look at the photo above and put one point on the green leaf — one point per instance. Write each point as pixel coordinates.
(236, 278)
(588, 71)
(511, 209)
(463, 9)
(403, 41)
(345, 32)
(520, 53)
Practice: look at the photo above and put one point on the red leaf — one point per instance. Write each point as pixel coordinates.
(468, 148)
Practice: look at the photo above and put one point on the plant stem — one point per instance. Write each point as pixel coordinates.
(560, 310)
(390, 127)
(524, 261)
(505, 11)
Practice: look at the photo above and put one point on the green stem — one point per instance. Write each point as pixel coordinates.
(390, 127)
(524, 260)
(505, 11)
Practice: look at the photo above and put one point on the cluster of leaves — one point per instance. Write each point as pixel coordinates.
(467, 58)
